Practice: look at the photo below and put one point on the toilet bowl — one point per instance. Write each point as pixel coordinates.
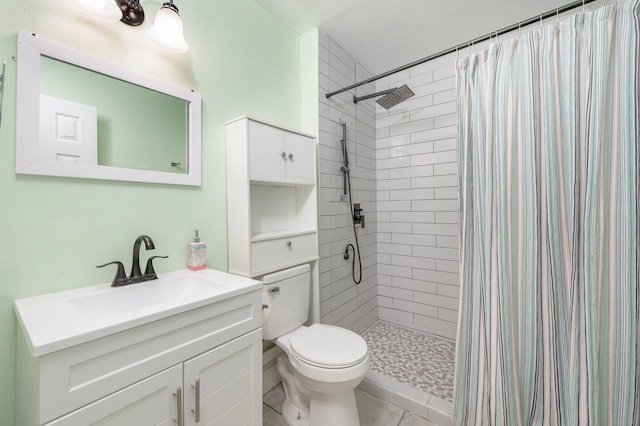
(321, 364)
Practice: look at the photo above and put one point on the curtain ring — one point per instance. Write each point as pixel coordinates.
(541, 26)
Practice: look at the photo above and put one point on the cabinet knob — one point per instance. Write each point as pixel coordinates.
(290, 156)
(288, 243)
(284, 155)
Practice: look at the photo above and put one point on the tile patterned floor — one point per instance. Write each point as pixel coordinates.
(372, 411)
(413, 358)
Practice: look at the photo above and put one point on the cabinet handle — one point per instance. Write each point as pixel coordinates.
(290, 156)
(288, 243)
(178, 395)
(197, 400)
(284, 155)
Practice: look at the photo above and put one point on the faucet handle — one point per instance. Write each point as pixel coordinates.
(120, 277)
(149, 272)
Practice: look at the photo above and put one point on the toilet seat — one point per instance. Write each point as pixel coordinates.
(328, 347)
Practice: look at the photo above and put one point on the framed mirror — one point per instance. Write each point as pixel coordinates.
(81, 117)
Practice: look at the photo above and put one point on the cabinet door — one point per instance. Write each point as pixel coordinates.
(266, 153)
(228, 382)
(301, 159)
(151, 402)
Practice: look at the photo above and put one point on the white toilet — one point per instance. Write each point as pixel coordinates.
(321, 364)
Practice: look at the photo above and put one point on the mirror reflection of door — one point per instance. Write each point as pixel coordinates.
(68, 131)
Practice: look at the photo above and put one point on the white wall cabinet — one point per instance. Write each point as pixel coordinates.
(206, 362)
(277, 155)
(271, 197)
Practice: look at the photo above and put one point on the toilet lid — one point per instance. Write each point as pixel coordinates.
(328, 346)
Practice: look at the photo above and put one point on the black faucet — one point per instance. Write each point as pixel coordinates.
(135, 263)
(136, 275)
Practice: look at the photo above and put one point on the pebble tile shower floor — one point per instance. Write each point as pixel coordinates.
(416, 359)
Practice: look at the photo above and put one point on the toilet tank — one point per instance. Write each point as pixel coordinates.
(286, 293)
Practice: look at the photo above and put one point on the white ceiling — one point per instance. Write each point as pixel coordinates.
(385, 34)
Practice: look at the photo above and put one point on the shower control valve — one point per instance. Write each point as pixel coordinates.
(358, 217)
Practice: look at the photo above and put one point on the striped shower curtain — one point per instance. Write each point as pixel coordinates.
(549, 191)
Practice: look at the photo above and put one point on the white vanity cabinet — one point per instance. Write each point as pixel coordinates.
(198, 366)
(215, 388)
(271, 197)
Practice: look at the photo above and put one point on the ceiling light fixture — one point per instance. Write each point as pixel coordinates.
(167, 29)
(103, 9)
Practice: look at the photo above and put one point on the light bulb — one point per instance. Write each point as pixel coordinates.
(167, 29)
(103, 9)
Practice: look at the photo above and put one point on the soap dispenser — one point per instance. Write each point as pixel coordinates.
(197, 254)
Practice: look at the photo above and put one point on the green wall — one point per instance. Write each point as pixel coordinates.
(53, 231)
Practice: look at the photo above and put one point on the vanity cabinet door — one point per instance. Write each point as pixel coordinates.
(224, 385)
(151, 402)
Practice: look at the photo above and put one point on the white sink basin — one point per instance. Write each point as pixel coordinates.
(149, 294)
(60, 320)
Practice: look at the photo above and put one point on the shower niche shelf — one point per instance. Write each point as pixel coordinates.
(271, 197)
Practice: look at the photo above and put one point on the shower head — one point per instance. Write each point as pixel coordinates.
(398, 95)
(391, 98)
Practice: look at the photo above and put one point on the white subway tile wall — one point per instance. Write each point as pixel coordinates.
(404, 171)
(417, 190)
(342, 302)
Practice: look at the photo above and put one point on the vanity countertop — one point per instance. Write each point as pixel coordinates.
(57, 321)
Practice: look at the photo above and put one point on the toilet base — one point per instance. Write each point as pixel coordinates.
(334, 409)
(304, 408)
(326, 409)
(295, 408)
(294, 416)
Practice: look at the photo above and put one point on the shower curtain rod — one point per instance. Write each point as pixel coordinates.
(461, 46)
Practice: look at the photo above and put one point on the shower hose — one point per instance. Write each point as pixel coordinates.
(355, 250)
